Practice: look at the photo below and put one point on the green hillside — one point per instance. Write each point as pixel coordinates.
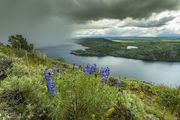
(23, 93)
(148, 50)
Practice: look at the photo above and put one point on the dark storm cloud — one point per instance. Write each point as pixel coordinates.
(49, 22)
(83, 10)
(32, 11)
(34, 19)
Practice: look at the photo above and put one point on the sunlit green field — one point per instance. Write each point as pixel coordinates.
(170, 40)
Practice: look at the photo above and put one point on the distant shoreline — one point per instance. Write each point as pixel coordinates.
(76, 54)
(159, 51)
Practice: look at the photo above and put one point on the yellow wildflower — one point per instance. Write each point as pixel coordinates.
(142, 93)
(110, 111)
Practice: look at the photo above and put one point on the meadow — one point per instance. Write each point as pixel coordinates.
(24, 96)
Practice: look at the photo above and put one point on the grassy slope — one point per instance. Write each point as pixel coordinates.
(23, 93)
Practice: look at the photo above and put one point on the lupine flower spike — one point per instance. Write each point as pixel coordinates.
(108, 71)
(93, 69)
(105, 73)
(118, 83)
(59, 67)
(54, 70)
(104, 76)
(49, 82)
(101, 71)
(86, 70)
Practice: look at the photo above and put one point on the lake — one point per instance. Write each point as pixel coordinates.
(167, 73)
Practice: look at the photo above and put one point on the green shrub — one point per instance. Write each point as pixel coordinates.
(170, 98)
(112, 81)
(83, 96)
(133, 103)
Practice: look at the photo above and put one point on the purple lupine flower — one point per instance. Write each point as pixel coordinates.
(54, 69)
(49, 82)
(105, 73)
(104, 76)
(93, 69)
(86, 70)
(118, 83)
(108, 71)
(59, 67)
(101, 71)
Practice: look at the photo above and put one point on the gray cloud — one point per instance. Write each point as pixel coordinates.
(155, 23)
(34, 19)
(27, 11)
(146, 23)
(83, 10)
(49, 22)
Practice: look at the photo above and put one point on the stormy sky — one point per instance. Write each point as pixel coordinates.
(51, 22)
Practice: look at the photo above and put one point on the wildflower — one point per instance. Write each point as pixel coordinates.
(93, 69)
(86, 70)
(118, 83)
(49, 82)
(108, 71)
(105, 73)
(101, 71)
(141, 93)
(104, 76)
(110, 111)
(59, 67)
(54, 69)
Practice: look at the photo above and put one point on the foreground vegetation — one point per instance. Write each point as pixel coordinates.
(151, 50)
(23, 93)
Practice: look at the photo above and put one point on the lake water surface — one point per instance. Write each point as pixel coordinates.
(154, 72)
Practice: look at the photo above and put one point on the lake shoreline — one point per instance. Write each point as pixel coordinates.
(161, 51)
(156, 72)
(145, 60)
